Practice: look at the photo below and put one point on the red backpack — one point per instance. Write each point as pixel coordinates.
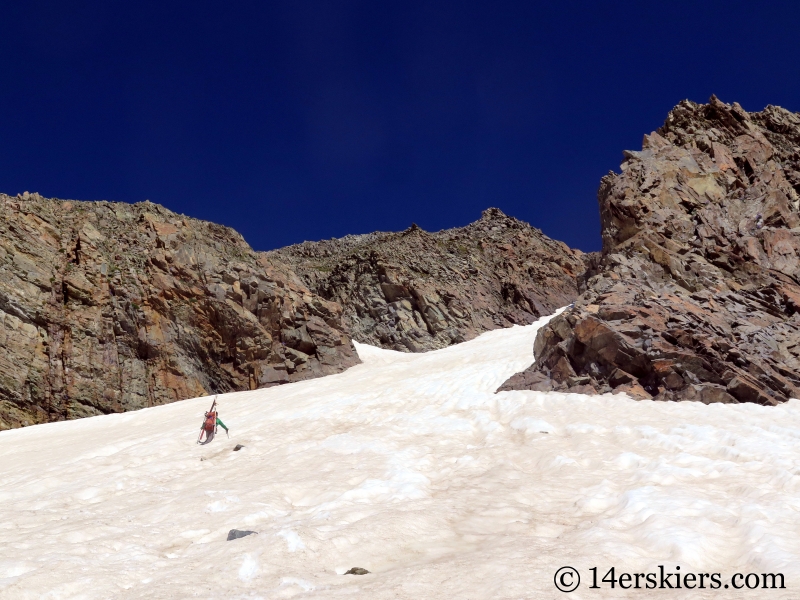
(211, 421)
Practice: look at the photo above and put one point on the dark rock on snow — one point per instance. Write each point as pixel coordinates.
(235, 534)
(357, 571)
(695, 295)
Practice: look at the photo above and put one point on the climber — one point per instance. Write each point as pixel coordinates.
(210, 423)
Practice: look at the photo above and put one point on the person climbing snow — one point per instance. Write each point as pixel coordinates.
(210, 423)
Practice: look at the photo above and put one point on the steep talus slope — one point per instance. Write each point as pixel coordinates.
(106, 307)
(415, 290)
(696, 294)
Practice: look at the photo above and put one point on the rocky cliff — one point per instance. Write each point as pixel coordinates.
(416, 290)
(695, 295)
(107, 307)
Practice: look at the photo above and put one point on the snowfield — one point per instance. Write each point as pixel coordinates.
(411, 467)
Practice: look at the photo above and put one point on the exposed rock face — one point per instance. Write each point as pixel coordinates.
(414, 290)
(695, 295)
(107, 307)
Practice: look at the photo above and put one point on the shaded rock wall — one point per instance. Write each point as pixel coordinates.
(107, 307)
(414, 290)
(695, 295)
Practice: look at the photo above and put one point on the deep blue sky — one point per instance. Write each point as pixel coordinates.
(306, 120)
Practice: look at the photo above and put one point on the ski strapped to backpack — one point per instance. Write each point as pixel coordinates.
(209, 426)
(210, 423)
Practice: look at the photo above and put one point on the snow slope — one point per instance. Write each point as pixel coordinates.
(411, 467)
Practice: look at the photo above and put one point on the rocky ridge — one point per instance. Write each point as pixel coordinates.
(415, 290)
(695, 295)
(107, 307)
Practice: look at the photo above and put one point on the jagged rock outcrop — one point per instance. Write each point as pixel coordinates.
(415, 290)
(107, 307)
(695, 295)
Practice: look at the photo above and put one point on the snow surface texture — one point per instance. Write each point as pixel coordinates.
(411, 467)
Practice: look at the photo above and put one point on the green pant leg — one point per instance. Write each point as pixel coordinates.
(221, 424)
